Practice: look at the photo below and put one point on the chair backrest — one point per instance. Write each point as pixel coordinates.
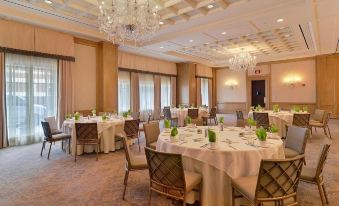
(301, 119)
(278, 180)
(296, 138)
(166, 171)
(240, 115)
(167, 113)
(46, 128)
(322, 159)
(193, 113)
(86, 132)
(327, 116)
(135, 115)
(152, 132)
(213, 112)
(131, 128)
(319, 115)
(52, 122)
(127, 151)
(262, 119)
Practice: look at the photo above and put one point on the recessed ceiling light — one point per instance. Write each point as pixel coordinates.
(280, 20)
(161, 22)
(210, 6)
(48, 2)
(223, 33)
(191, 40)
(161, 47)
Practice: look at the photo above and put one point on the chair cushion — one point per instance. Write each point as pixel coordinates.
(308, 173)
(246, 186)
(192, 179)
(314, 123)
(138, 162)
(56, 132)
(61, 136)
(153, 145)
(289, 153)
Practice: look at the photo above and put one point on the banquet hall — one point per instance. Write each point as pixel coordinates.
(169, 102)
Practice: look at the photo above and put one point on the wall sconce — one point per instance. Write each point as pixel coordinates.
(231, 83)
(292, 80)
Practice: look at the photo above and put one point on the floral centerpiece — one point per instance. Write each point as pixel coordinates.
(127, 114)
(76, 116)
(174, 134)
(259, 108)
(188, 121)
(276, 108)
(192, 105)
(252, 123)
(261, 135)
(94, 112)
(212, 138)
(274, 130)
(221, 123)
(167, 124)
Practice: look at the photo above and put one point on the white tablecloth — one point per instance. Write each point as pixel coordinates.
(182, 114)
(280, 119)
(106, 130)
(233, 158)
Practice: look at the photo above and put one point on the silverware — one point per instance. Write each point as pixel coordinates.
(232, 147)
(205, 145)
(182, 143)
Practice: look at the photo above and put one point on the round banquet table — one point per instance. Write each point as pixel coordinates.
(232, 158)
(181, 113)
(106, 131)
(280, 119)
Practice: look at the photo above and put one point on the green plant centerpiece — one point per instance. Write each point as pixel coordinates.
(212, 138)
(221, 123)
(68, 116)
(76, 116)
(127, 114)
(261, 135)
(174, 134)
(295, 108)
(274, 130)
(94, 112)
(252, 123)
(188, 121)
(180, 106)
(305, 109)
(167, 124)
(192, 105)
(259, 108)
(104, 117)
(276, 108)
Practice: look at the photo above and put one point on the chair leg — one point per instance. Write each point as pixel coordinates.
(139, 144)
(76, 152)
(329, 132)
(323, 201)
(42, 148)
(62, 145)
(69, 146)
(125, 183)
(325, 194)
(233, 197)
(49, 152)
(97, 151)
(149, 197)
(325, 131)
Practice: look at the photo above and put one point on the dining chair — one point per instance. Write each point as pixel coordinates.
(87, 134)
(301, 120)
(212, 115)
(133, 163)
(262, 119)
(168, 116)
(296, 139)
(276, 183)
(318, 115)
(135, 115)
(193, 113)
(131, 128)
(53, 125)
(168, 177)
(51, 138)
(322, 124)
(152, 132)
(240, 118)
(315, 175)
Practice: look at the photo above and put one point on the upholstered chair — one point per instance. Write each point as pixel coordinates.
(168, 116)
(87, 134)
(296, 139)
(212, 115)
(262, 119)
(240, 118)
(53, 125)
(131, 128)
(322, 124)
(152, 132)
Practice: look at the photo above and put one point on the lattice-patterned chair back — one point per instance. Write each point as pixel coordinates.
(322, 160)
(240, 115)
(166, 172)
(152, 132)
(167, 113)
(301, 120)
(278, 180)
(131, 128)
(135, 115)
(86, 133)
(262, 119)
(47, 129)
(193, 113)
(213, 112)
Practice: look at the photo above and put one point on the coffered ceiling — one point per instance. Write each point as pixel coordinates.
(204, 31)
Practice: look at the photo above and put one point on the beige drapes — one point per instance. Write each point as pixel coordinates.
(135, 92)
(198, 91)
(173, 91)
(65, 105)
(210, 93)
(3, 128)
(157, 96)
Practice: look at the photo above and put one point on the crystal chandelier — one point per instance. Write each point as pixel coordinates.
(242, 61)
(128, 20)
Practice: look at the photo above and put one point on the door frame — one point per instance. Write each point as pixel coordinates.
(267, 79)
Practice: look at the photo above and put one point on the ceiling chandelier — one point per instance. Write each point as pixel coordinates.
(128, 20)
(242, 61)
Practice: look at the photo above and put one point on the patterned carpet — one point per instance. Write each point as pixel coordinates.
(28, 179)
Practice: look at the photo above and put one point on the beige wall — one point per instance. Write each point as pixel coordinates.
(204, 71)
(84, 76)
(305, 91)
(226, 93)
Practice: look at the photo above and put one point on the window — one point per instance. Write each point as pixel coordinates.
(124, 91)
(165, 91)
(146, 95)
(31, 95)
(204, 91)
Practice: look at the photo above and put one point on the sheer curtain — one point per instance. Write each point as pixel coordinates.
(146, 94)
(204, 92)
(165, 91)
(31, 95)
(124, 91)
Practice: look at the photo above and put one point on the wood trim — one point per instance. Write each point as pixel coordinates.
(85, 42)
(146, 72)
(204, 77)
(231, 107)
(268, 88)
(287, 60)
(36, 54)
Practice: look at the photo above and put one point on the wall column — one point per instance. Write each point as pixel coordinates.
(186, 84)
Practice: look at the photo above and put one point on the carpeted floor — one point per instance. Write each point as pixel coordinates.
(28, 179)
